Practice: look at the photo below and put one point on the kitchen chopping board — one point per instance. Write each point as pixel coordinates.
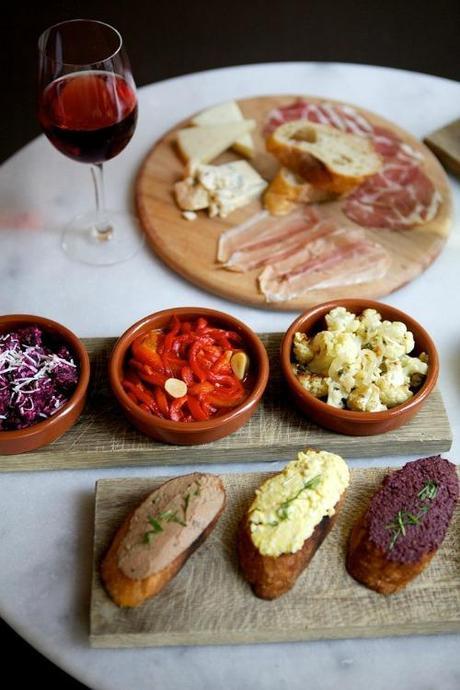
(210, 603)
(104, 438)
(189, 248)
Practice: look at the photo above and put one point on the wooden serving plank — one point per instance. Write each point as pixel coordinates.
(104, 438)
(445, 144)
(210, 603)
(189, 248)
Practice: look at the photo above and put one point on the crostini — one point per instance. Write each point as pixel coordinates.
(155, 540)
(289, 518)
(404, 525)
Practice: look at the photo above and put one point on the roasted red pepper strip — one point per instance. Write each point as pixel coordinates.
(169, 337)
(175, 411)
(144, 349)
(139, 391)
(219, 399)
(162, 401)
(195, 408)
(222, 366)
(197, 369)
(201, 388)
(187, 375)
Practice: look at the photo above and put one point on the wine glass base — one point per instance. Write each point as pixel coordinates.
(120, 242)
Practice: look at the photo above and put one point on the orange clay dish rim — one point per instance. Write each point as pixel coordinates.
(125, 340)
(78, 350)
(357, 306)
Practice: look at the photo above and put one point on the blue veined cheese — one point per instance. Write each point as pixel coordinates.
(219, 188)
(289, 506)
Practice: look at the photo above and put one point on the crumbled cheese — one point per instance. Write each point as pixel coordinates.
(189, 215)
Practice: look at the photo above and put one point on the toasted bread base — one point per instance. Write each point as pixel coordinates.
(369, 565)
(126, 592)
(271, 576)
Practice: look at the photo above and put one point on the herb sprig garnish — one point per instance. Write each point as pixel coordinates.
(405, 518)
(282, 512)
(168, 516)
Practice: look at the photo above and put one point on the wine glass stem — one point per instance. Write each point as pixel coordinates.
(102, 228)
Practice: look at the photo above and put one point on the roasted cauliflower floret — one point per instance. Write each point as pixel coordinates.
(302, 350)
(314, 384)
(365, 399)
(323, 347)
(391, 395)
(339, 319)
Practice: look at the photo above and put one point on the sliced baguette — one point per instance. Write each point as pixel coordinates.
(202, 512)
(289, 518)
(288, 189)
(222, 113)
(202, 144)
(324, 156)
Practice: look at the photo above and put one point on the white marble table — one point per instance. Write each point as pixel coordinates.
(46, 517)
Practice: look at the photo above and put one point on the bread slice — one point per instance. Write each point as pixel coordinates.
(288, 189)
(324, 156)
(404, 525)
(227, 112)
(158, 537)
(270, 576)
(202, 144)
(288, 520)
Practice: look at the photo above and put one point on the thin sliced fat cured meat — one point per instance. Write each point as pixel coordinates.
(263, 229)
(345, 257)
(284, 239)
(399, 197)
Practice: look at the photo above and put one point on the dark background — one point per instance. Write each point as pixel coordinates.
(166, 38)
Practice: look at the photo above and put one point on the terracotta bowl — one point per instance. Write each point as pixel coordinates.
(351, 422)
(190, 433)
(42, 433)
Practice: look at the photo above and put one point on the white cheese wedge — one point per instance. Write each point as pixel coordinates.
(221, 114)
(227, 187)
(203, 144)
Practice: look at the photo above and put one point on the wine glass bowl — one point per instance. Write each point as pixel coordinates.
(87, 108)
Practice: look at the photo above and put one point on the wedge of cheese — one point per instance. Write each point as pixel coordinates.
(203, 144)
(219, 188)
(221, 114)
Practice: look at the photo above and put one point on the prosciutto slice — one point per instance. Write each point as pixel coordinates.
(267, 239)
(345, 257)
(401, 195)
(301, 252)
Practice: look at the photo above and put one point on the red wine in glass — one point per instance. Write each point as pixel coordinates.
(89, 116)
(87, 108)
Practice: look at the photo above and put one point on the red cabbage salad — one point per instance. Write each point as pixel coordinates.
(37, 376)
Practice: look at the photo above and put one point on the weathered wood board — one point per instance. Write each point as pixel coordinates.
(104, 438)
(190, 248)
(209, 602)
(445, 144)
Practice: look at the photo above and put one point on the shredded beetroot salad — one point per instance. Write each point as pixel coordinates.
(37, 376)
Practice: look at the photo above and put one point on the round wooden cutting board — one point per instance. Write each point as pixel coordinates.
(190, 248)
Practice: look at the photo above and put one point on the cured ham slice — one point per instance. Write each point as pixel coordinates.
(265, 239)
(398, 197)
(344, 257)
(301, 252)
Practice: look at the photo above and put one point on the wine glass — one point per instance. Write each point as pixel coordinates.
(88, 110)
